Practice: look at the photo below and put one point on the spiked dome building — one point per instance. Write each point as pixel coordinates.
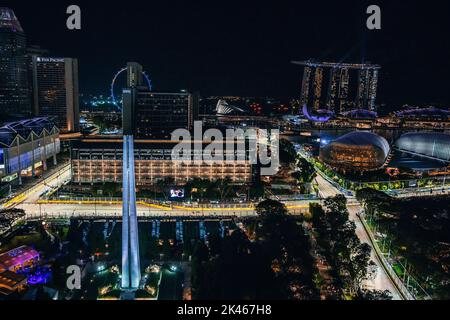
(356, 151)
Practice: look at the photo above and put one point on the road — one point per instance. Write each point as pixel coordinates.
(65, 210)
(382, 280)
(33, 194)
(28, 201)
(422, 192)
(326, 189)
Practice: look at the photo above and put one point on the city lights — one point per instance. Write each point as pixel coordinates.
(217, 155)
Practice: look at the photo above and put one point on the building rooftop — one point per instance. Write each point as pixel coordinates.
(10, 280)
(429, 112)
(117, 143)
(24, 128)
(16, 257)
(336, 65)
(363, 138)
(360, 114)
(356, 151)
(434, 145)
(9, 21)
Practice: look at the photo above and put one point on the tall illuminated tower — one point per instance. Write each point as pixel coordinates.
(134, 75)
(318, 80)
(55, 91)
(131, 266)
(14, 89)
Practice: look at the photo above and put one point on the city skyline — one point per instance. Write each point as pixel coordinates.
(188, 47)
(202, 151)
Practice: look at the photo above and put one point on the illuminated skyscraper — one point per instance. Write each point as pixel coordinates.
(306, 84)
(318, 80)
(349, 86)
(333, 87)
(55, 91)
(373, 85)
(14, 89)
(134, 75)
(157, 114)
(344, 87)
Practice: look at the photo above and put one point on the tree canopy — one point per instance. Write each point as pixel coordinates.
(349, 258)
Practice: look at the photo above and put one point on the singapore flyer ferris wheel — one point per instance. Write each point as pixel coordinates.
(113, 83)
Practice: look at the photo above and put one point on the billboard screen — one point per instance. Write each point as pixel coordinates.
(177, 193)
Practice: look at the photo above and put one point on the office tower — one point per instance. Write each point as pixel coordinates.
(128, 110)
(348, 86)
(193, 109)
(55, 91)
(33, 51)
(14, 89)
(131, 267)
(158, 114)
(134, 75)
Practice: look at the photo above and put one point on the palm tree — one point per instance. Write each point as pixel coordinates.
(223, 187)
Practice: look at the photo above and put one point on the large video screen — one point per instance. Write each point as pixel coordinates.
(177, 193)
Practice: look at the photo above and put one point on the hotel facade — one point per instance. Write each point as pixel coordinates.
(100, 161)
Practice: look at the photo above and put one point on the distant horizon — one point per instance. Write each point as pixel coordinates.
(190, 46)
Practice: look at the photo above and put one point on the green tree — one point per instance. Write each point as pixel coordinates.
(198, 187)
(307, 170)
(365, 294)
(110, 188)
(287, 152)
(256, 190)
(373, 200)
(349, 258)
(360, 259)
(236, 273)
(284, 241)
(224, 187)
(270, 207)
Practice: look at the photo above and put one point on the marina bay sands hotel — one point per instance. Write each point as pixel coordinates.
(338, 87)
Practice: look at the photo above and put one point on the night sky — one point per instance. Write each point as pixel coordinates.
(245, 47)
